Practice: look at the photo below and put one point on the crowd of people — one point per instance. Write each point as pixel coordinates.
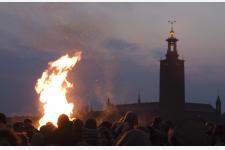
(124, 132)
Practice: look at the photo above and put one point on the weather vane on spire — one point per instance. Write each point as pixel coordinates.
(172, 22)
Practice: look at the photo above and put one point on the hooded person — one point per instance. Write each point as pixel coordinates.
(90, 132)
(29, 128)
(129, 122)
(18, 129)
(105, 133)
(134, 137)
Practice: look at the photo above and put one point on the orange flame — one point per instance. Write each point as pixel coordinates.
(52, 88)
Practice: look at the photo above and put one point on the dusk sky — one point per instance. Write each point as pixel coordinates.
(122, 44)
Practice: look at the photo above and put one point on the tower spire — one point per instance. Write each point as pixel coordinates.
(108, 102)
(218, 103)
(139, 97)
(172, 22)
(172, 43)
(172, 33)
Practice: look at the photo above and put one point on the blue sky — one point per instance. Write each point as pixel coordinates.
(122, 44)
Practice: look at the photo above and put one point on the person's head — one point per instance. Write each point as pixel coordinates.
(2, 120)
(156, 122)
(7, 138)
(78, 124)
(63, 121)
(91, 124)
(47, 128)
(18, 127)
(43, 129)
(77, 130)
(131, 119)
(29, 128)
(50, 126)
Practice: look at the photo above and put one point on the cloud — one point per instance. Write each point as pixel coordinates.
(119, 45)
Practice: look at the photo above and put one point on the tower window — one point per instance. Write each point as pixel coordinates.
(172, 47)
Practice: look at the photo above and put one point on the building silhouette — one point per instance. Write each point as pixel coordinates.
(171, 105)
(172, 86)
(218, 105)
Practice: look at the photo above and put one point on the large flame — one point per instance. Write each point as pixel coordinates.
(52, 88)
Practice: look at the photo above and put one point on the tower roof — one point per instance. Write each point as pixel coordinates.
(218, 100)
(139, 97)
(172, 34)
(172, 53)
(108, 101)
(218, 97)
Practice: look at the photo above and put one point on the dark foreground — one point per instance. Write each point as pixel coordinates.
(124, 132)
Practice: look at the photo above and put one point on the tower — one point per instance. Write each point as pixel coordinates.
(108, 103)
(139, 97)
(172, 85)
(218, 105)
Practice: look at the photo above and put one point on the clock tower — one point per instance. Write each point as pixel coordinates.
(172, 84)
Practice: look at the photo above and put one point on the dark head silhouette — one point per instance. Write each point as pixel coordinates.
(63, 121)
(50, 124)
(2, 120)
(78, 124)
(18, 127)
(91, 124)
(156, 123)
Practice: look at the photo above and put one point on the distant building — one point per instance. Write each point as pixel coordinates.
(172, 86)
(171, 105)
